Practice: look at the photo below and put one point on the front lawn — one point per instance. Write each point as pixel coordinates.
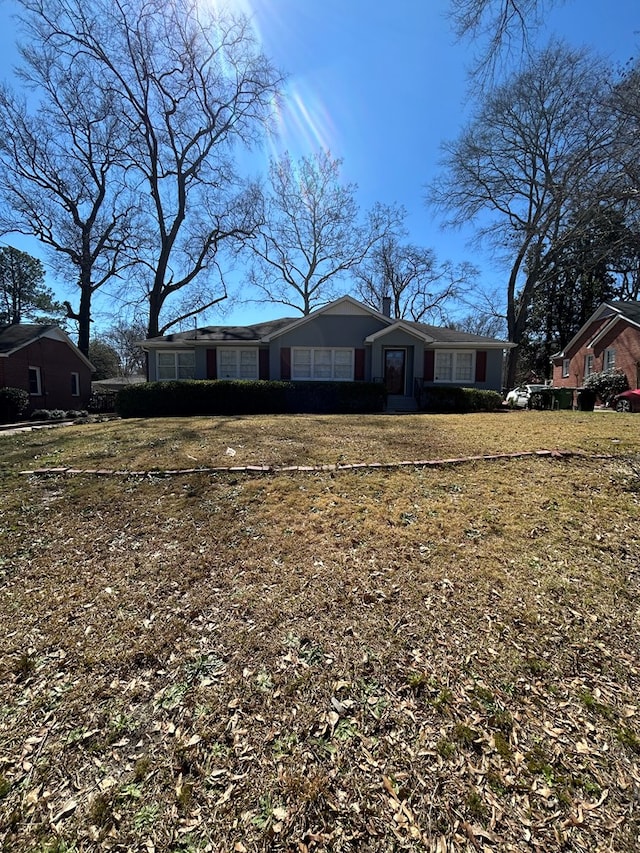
(440, 658)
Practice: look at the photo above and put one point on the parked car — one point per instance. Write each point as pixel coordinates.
(628, 401)
(520, 398)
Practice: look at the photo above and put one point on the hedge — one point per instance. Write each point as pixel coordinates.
(444, 398)
(228, 397)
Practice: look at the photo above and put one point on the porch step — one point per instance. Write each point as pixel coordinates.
(400, 403)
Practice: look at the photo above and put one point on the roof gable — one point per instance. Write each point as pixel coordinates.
(20, 335)
(608, 313)
(345, 306)
(402, 326)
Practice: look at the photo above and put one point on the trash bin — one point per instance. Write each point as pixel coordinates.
(586, 400)
(562, 398)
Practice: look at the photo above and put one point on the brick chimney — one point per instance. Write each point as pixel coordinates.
(386, 306)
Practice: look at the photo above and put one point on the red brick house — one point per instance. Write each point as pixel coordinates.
(609, 339)
(45, 362)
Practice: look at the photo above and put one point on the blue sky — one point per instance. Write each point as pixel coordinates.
(381, 85)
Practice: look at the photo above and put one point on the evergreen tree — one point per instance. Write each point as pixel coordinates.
(23, 294)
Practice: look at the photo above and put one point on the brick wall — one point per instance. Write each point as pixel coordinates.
(57, 361)
(623, 337)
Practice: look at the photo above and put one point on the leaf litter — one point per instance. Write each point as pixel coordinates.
(443, 660)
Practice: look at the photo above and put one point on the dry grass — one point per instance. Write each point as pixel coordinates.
(439, 659)
(308, 440)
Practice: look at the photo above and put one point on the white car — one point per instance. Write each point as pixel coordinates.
(519, 398)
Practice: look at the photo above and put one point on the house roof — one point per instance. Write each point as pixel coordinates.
(19, 335)
(115, 383)
(225, 334)
(265, 332)
(442, 335)
(614, 311)
(628, 310)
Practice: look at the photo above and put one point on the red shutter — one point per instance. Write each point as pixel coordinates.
(263, 364)
(481, 366)
(428, 365)
(285, 364)
(212, 364)
(358, 365)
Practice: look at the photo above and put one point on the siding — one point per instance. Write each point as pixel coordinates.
(331, 331)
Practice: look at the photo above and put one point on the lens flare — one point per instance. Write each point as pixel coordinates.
(302, 122)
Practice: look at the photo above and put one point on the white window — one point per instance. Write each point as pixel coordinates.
(588, 365)
(75, 384)
(176, 365)
(444, 367)
(35, 381)
(322, 363)
(237, 363)
(609, 359)
(565, 367)
(454, 366)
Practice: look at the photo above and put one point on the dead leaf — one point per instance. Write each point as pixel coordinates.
(226, 796)
(67, 809)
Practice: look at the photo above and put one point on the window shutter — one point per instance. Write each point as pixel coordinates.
(428, 365)
(263, 364)
(358, 365)
(212, 364)
(481, 366)
(285, 364)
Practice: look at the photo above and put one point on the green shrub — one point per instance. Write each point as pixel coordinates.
(607, 384)
(229, 397)
(14, 402)
(443, 398)
(335, 397)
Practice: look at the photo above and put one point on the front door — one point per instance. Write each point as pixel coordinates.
(394, 370)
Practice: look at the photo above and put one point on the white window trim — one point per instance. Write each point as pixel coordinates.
(454, 353)
(175, 354)
(237, 351)
(566, 364)
(331, 378)
(588, 364)
(37, 393)
(75, 384)
(608, 353)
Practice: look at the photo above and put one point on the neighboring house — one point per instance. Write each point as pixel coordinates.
(116, 383)
(45, 362)
(344, 341)
(609, 339)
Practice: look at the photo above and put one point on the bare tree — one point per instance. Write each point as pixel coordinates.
(623, 178)
(189, 84)
(488, 325)
(420, 289)
(124, 336)
(312, 232)
(500, 27)
(527, 170)
(61, 171)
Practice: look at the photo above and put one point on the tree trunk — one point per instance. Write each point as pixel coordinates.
(84, 313)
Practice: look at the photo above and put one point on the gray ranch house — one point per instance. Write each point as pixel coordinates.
(345, 340)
